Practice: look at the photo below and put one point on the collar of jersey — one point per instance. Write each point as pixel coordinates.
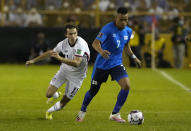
(73, 44)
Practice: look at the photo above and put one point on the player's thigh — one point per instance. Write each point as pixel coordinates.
(119, 74)
(99, 76)
(59, 79)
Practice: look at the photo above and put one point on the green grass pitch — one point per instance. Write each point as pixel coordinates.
(165, 105)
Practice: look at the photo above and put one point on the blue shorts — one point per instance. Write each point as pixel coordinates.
(116, 73)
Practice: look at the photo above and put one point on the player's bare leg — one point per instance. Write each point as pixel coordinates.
(56, 107)
(64, 101)
(52, 94)
(122, 96)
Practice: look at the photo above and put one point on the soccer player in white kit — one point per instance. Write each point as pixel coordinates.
(72, 70)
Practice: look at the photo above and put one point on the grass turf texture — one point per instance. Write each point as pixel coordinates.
(166, 107)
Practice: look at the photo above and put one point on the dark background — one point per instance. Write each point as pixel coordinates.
(15, 43)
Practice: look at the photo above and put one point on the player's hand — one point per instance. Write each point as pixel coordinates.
(137, 62)
(105, 54)
(55, 55)
(29, 62)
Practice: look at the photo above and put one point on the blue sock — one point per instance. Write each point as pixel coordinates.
(88, 97)
(122, 96)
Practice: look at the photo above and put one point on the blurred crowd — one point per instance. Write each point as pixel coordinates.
(29, 12)
(164, 13)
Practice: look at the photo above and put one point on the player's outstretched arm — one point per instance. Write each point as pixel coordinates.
(97, 46)
(131, 54)
(41, 57)
(75, 62)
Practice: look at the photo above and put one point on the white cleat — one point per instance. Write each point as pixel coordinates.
(80, 116)
(117, 118)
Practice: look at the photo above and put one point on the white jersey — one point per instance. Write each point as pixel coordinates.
(80, 49)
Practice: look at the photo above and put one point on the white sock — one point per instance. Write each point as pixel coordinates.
(56, 95)
(55, 107)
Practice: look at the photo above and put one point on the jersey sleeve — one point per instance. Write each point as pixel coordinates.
(130, 34)
(103, 34)
(80, 50)
(58, 47)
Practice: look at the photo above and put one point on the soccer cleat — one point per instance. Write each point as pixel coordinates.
(48, 116)
(53, 100)
(80, 116)
(117, 118)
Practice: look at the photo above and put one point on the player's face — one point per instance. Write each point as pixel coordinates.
(71, 35)
(121, 20)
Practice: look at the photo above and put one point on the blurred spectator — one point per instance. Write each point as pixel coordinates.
(156, 12)
(142, 6)
(17, 18)
(17, 2)
(33, 18)
(40, 4)
(103, 5)
(135, 43)
(11, 5)
(39, 46)
(173, 11)
(31, 4)
(179, 42)
(159, 52)
(65, 6)
(111, 6)
(72, 19)
(4, 18)
(59, 22)
(133, 4)
(156, 9)
(187, 7)
(119, 3)
(87, 4)
(147, 3)
(53, 4)
(163, 4)
(23, 4)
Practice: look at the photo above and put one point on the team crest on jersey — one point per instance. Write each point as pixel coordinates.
(74, 51)
(100, 35)
(79, 51)
(125, 37)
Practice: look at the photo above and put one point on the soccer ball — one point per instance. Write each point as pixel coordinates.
(135, 117)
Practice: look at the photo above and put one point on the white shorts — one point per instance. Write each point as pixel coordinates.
(73, 84)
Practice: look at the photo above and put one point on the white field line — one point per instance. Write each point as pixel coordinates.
(170, 78)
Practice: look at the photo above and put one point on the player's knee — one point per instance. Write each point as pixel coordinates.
(49, 95)
(126, 87)
(124, 84)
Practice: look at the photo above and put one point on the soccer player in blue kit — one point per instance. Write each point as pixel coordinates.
(109, 44)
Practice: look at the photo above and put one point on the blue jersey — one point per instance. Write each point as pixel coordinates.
(113, 40)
